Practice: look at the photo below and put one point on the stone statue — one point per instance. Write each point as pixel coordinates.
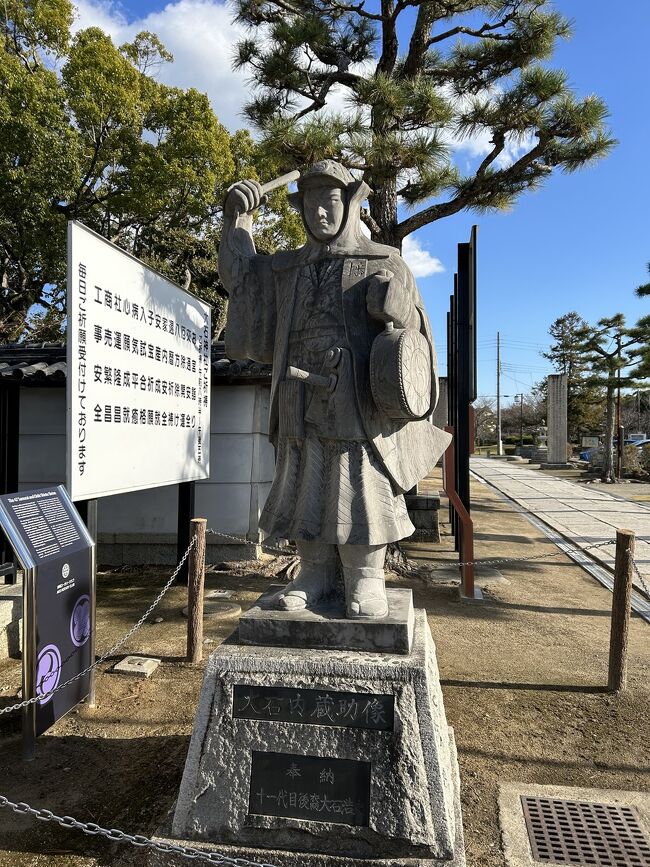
(354, 383)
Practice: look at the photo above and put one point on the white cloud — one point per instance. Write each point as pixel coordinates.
(419, 260)
(479, 145)
(199, 33)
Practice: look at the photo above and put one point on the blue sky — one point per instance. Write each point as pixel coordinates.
(581, 243)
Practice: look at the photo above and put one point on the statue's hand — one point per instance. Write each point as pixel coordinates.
(376, 295)
(243, 197)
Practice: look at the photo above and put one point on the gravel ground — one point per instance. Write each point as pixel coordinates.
(523, 678)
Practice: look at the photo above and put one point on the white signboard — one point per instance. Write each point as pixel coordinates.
(138, 384)
(590, 442)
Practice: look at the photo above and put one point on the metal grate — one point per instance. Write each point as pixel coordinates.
(577, 832)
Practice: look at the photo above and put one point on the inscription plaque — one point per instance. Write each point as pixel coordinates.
(310, 787)
(314, 707)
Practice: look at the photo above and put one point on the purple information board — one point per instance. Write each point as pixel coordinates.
(59, 588)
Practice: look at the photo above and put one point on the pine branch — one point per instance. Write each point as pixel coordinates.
(486, 31)
(358, 9)
(486, 185)
(371, 223)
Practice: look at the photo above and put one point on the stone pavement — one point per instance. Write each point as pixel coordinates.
(584, 515)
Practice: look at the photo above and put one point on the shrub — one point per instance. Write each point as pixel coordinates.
(644, 458)
(632, 459)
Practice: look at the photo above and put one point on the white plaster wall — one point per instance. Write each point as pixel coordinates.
(241, 464)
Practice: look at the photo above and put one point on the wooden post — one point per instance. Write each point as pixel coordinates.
(196, 570)
(621, 603)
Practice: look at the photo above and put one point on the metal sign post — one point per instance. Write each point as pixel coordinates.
(57, 554)
(461, 373)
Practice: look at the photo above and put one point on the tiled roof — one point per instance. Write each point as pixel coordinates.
(44, 364)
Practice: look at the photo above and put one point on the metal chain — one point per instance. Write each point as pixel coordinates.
(113, 649)
(520, 559)
(270, 549)
(410, 567)
(643, 582)
(117, 836)
(289, 553)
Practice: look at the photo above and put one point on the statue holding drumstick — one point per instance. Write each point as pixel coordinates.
(354, 383)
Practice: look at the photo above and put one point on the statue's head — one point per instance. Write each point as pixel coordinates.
(323, 199)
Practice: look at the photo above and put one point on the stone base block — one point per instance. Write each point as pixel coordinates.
(328, 627)
(424, 511)
(284, 858)
(304, 758)
(137, 666)
(560, 465)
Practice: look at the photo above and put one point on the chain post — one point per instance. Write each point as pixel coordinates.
(621, 604)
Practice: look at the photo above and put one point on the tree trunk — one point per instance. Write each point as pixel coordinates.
(609, 472)
(383, 210)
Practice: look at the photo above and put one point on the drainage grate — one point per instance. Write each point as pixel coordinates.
(577, 832)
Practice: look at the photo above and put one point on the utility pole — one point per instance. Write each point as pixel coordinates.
(521, 419)
(619, 429)
(499, 443)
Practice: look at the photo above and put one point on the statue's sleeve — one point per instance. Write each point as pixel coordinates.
(252, 312)
(403, 302)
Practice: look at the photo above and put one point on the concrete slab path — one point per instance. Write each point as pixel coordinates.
(584, 515)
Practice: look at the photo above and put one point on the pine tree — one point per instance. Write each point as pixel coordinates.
(644, 289)
(611, 349)
(584, 400)
(419, 75)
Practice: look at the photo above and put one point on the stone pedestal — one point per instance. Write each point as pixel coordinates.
(423, 511)
(328, 627)
(322, 758)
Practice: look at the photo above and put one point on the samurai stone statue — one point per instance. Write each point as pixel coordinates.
(354, 383)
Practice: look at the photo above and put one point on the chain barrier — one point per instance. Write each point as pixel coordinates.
(269, 549)
(642, 581)
(188, 852)
(287, 552)
(111, 651)
(117, 836)
(410, 567)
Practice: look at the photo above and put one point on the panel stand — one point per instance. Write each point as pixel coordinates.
(88, 511)
(186, 508)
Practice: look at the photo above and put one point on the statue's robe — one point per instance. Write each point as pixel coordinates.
(260, 312)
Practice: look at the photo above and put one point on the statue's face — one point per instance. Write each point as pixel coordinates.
(323, 209)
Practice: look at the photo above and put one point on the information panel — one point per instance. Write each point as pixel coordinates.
(138, 385)
(55, 550)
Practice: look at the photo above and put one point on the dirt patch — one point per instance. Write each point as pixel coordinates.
(523, 677)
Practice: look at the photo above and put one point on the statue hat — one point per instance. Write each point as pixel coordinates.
(326, 170)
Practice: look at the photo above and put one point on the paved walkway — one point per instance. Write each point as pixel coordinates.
(582, 514)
